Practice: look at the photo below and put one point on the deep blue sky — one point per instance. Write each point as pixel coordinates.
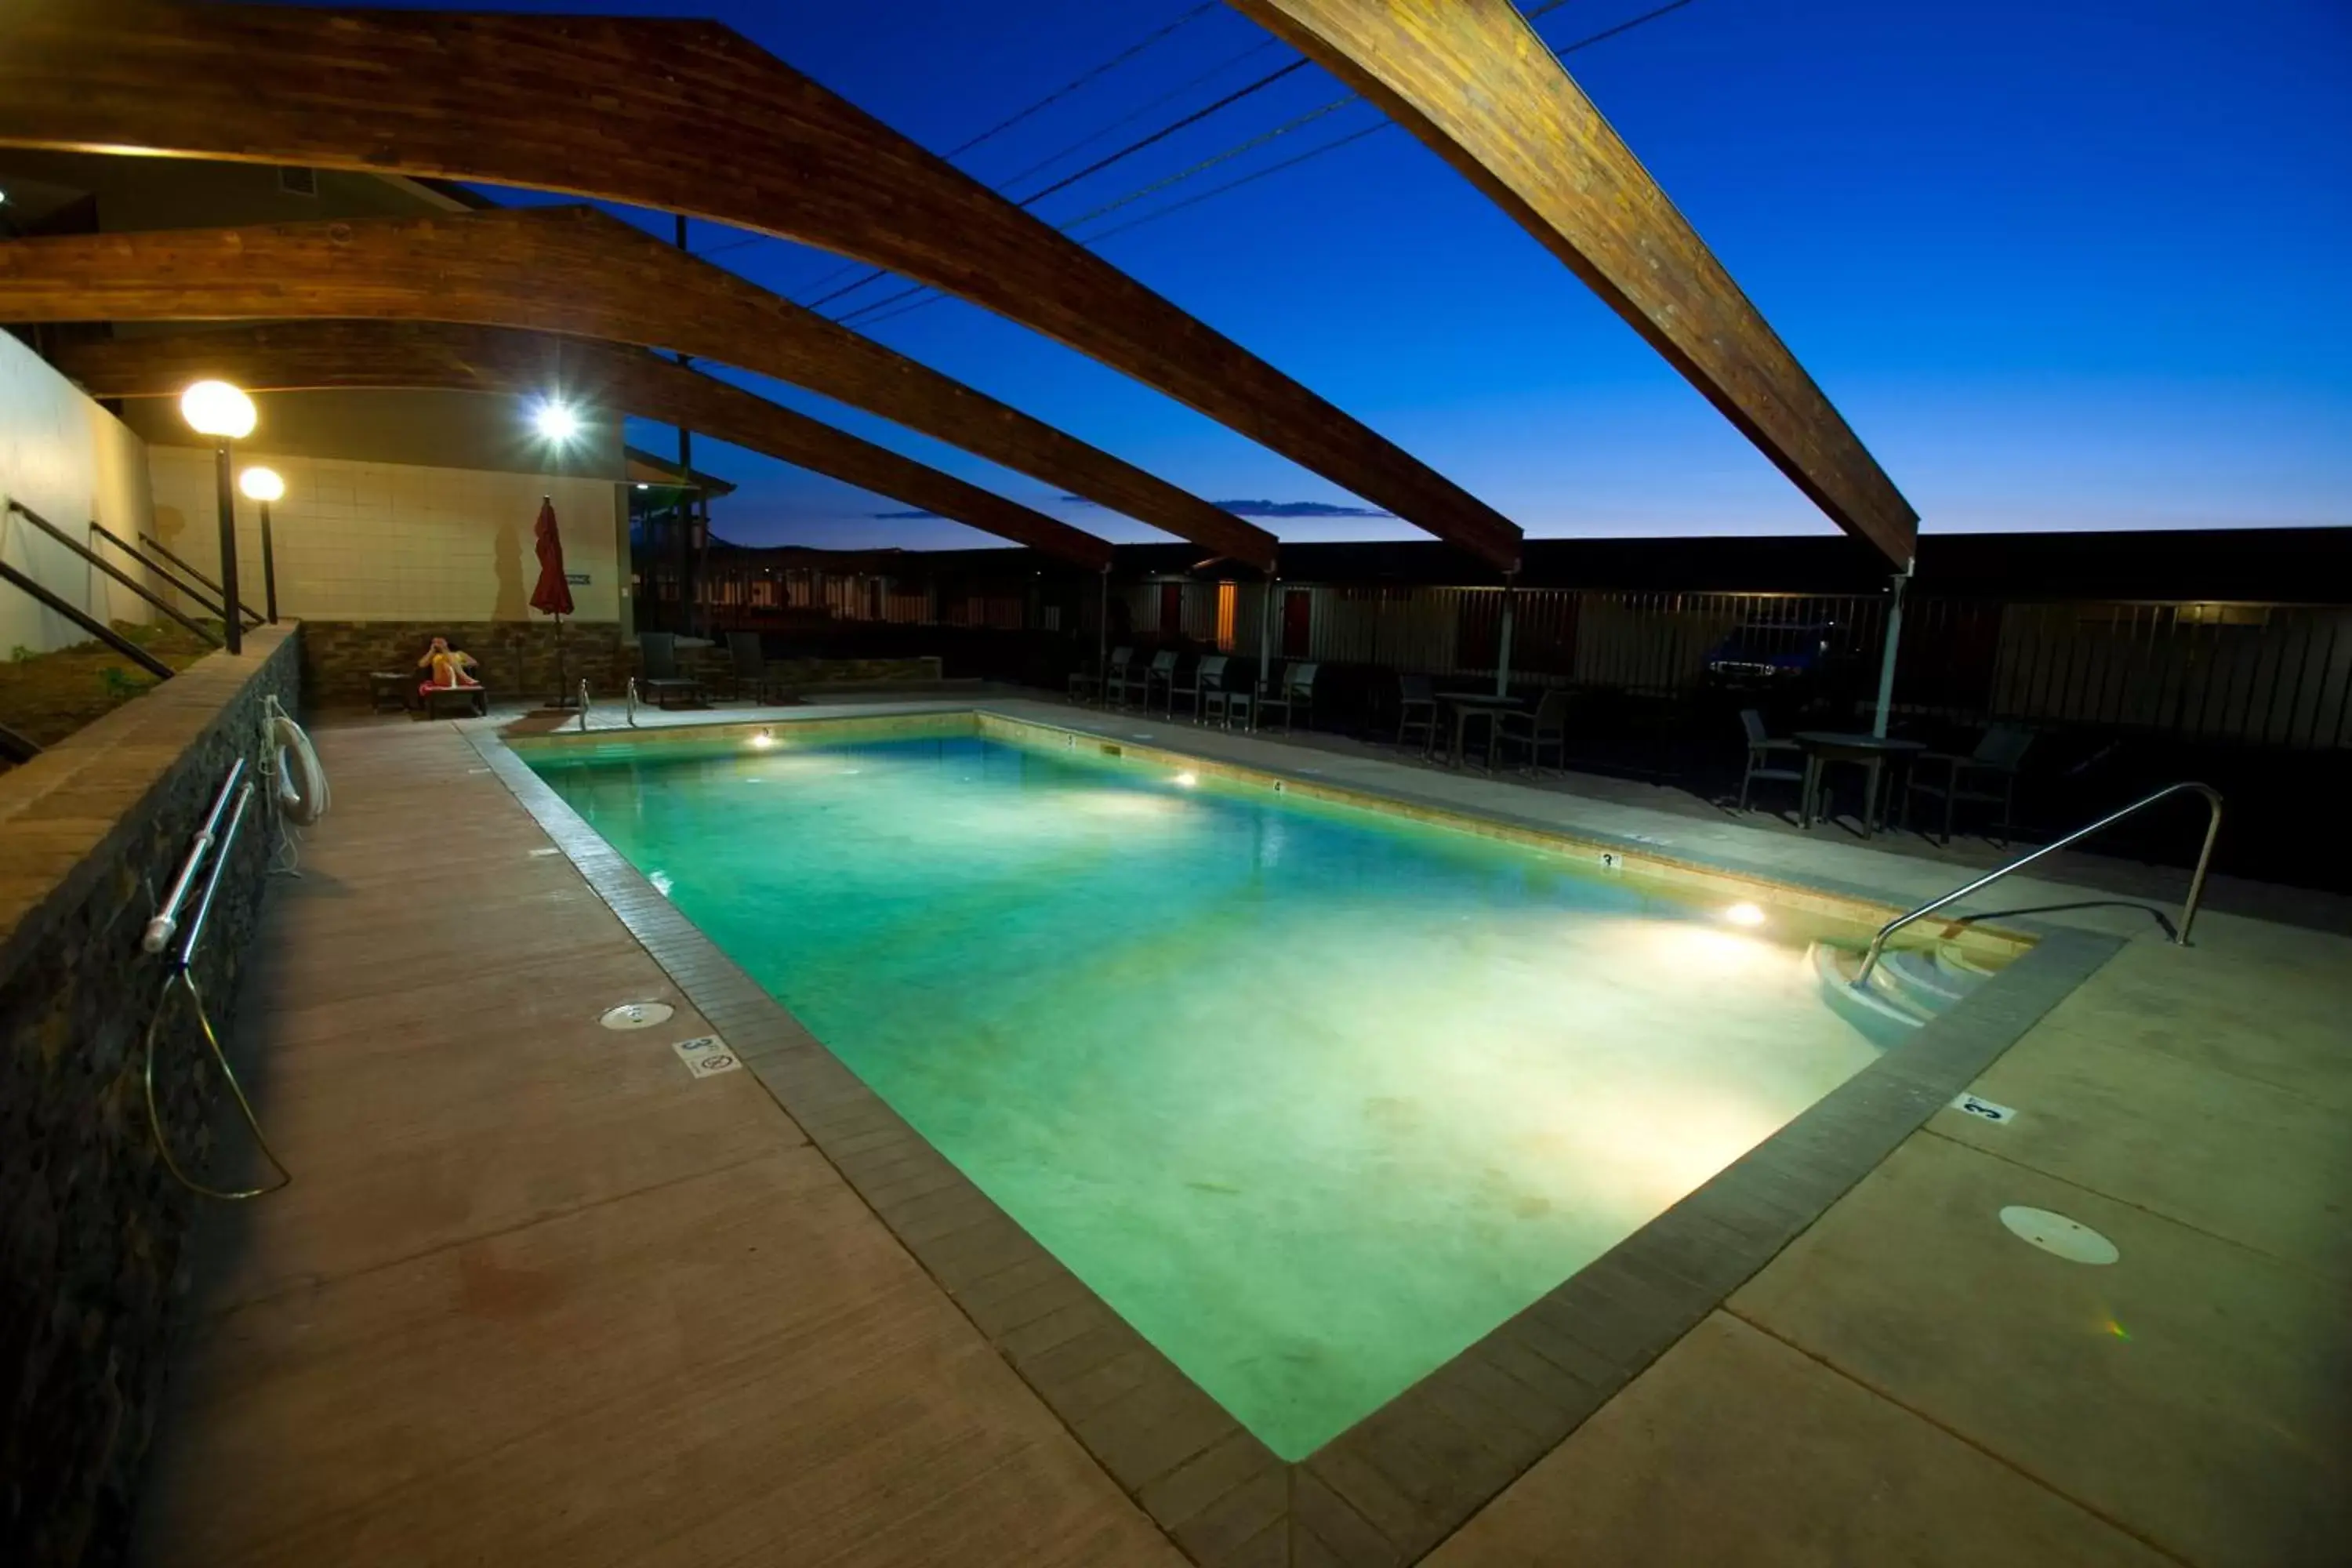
(2062, 265)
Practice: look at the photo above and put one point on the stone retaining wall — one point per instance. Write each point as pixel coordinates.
(515, 657)
(91, 1223)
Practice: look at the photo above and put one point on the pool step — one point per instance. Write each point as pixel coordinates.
(1907, 988)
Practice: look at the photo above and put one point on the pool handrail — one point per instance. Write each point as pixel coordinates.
(2187, 909)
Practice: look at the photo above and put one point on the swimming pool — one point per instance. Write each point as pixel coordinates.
(1313, 1096)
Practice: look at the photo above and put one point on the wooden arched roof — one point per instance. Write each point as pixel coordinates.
(580, 272)
(311, 355)
(683, 116)
(1473, 80)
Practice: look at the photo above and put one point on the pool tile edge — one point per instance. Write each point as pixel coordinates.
(1398, 1483)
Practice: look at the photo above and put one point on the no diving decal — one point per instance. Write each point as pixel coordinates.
(705, 1055)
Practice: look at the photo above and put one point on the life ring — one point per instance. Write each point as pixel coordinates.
(302, 793)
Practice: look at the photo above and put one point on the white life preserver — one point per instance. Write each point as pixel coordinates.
(302, 794)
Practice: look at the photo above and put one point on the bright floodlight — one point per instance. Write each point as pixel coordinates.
(556, 422)
(261, 484)
(216, 408)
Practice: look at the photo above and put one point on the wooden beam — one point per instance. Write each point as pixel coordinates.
(304, 356)
(1472, 79)
(576, 270)
(682, 116)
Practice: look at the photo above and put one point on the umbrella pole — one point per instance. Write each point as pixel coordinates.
(562, 681)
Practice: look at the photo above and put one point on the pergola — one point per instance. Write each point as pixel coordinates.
(563, 103)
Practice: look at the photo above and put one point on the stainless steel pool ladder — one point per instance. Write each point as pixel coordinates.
(2187, 909)
(217, 843)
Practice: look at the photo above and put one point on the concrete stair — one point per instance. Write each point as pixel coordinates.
(1909, 987)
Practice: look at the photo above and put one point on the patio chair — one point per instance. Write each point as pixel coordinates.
(747, 671)
(1761, 751)
(1119, 676)
(1296, 691)
(1987, 774)
(1208, 676)
(1417, 710)
(661, 681)
(1547, 726)
(1162, 674)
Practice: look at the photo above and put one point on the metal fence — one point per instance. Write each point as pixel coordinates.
(2263, 674)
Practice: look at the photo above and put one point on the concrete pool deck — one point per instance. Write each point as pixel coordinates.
(537, 1295)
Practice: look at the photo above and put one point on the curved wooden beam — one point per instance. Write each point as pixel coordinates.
(576, 270)
(305, 356)
(683, 116)
(1473, 80)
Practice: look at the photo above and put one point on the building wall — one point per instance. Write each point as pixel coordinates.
(360, 541)
(72, 462)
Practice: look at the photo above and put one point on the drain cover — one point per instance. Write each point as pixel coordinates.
(2058, 1235)
(637, 1016)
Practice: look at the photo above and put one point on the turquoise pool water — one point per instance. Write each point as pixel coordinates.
(1313, 1097)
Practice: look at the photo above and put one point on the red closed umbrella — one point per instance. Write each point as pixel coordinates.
(554, 594)
(552, 597)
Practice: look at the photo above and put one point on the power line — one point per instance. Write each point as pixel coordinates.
(1138, 113)
(878, 311)
(1076, 82)
(1333, 146)
(1009, 121)
(1096, 167)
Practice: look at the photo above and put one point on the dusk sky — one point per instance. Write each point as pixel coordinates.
(2062, 265)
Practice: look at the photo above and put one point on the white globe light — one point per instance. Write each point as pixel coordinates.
(217, 409)
(556, 422)
(261, 484)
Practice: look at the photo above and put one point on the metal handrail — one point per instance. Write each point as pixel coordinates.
(158, 935)
(86, 622)
(2187, 909)
(93, 558)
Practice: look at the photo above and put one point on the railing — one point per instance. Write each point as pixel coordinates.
(83, 553)
(2187, 909)
(216, 840)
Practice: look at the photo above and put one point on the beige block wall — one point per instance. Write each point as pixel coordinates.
(393, 541)
(69, 460)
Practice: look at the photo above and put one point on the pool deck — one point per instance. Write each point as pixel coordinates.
(539, 1295)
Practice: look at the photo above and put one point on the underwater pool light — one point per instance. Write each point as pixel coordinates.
(764, 740)
(1743, 915)
(1186, 781)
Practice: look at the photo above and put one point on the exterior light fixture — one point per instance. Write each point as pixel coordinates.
(216, 408)
(263, 485)
(225, 414)
(643, 486)
(1743, 915)
(556, 422)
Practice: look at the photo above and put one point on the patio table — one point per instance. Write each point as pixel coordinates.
(1871, 753)
(1467, 705)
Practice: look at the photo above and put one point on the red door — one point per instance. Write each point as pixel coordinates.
(1297, 612)
(1171, 609)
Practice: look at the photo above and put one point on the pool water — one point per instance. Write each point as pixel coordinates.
(1313, 1097)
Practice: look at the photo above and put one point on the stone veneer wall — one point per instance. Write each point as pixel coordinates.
(339, 656)
(91, 1223)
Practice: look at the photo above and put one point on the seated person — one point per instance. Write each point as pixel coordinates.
(447, 668)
